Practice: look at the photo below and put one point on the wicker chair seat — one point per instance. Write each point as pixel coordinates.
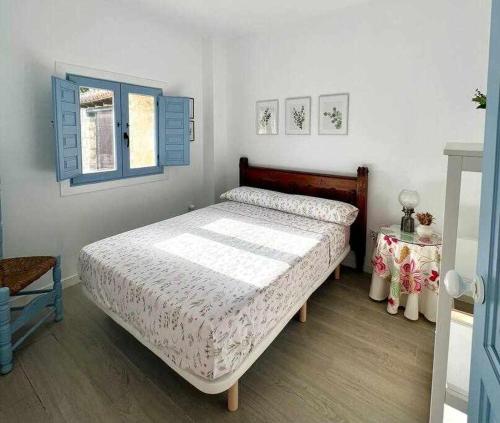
(17, 273)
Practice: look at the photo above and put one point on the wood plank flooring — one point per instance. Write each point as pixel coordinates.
(350, 362)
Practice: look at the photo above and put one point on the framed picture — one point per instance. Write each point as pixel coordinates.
(298, 116)
(333, 114)
(191, 108)
(266, 117)
(191, 130)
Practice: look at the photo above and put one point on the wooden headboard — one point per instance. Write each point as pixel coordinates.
(349, 189)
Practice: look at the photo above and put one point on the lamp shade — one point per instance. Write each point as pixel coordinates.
(409, 199)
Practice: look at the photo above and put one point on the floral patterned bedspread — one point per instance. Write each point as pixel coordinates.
(207, 286)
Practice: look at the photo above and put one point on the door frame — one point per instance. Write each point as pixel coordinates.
(462, 157)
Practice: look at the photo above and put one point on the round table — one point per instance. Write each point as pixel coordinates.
(406, 271)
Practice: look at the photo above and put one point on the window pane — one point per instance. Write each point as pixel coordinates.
(142, 130)
(98, 130)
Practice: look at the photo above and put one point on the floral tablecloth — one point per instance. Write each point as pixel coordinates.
(407, 273)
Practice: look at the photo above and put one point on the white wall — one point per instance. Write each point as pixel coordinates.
(102, 35)
(221, 144)
(410, 68)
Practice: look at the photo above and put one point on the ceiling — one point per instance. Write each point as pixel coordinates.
(238, 17)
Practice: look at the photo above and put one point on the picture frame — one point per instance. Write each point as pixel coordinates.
(191, 108)
(267, 117)
(191, 130)
(298, 116)
(333, 114)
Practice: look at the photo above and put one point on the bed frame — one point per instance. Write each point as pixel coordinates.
(229, 382)
(349, 189)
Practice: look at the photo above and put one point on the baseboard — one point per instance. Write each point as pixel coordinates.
(466, 299)
(462, 318)
(70, 281)
(66, 283)
(350, 261)
(456, 398)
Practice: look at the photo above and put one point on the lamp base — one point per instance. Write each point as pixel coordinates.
(407, 222)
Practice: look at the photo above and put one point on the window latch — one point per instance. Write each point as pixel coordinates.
(126, 138)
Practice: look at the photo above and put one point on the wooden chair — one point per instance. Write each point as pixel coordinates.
(15, 275)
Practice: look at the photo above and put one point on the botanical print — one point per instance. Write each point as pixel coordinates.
(195, 286)
(267, 117)
(335, 117)
(264, 120)
(333, 114)
(298, 115)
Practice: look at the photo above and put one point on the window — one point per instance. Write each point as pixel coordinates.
(110, 130)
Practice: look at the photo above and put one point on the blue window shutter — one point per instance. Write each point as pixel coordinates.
(66, 98)
(173, 130)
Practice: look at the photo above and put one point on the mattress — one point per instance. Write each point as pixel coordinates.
(206, 287)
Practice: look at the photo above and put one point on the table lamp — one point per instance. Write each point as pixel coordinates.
(409, 200)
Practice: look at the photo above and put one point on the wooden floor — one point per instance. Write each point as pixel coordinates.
(351, 362)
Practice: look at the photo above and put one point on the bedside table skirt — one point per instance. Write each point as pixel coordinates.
(407, 273)
(424, 302)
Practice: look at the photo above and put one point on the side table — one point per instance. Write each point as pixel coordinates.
(406, 271)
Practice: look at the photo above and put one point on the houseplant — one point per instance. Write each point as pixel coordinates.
(480, 99)
(424, 229)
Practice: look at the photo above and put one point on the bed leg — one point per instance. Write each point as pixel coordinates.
(303, 313)
(337, 273)
(232, 397)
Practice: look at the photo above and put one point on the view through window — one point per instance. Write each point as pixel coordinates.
(142, 130)
(97, 122)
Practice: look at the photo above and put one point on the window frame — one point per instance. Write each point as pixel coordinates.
(120, 108)
(127, 89)
(83, 81)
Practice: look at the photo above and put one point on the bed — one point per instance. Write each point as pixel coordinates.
(209, 290)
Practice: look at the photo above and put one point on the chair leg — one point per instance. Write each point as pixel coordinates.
(5, 335)
(58, 304)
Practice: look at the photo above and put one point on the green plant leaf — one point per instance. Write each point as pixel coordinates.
(480, 99)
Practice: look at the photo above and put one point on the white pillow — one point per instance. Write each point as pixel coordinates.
(303, 205)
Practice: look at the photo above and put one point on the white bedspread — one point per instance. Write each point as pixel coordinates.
(207, 286)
